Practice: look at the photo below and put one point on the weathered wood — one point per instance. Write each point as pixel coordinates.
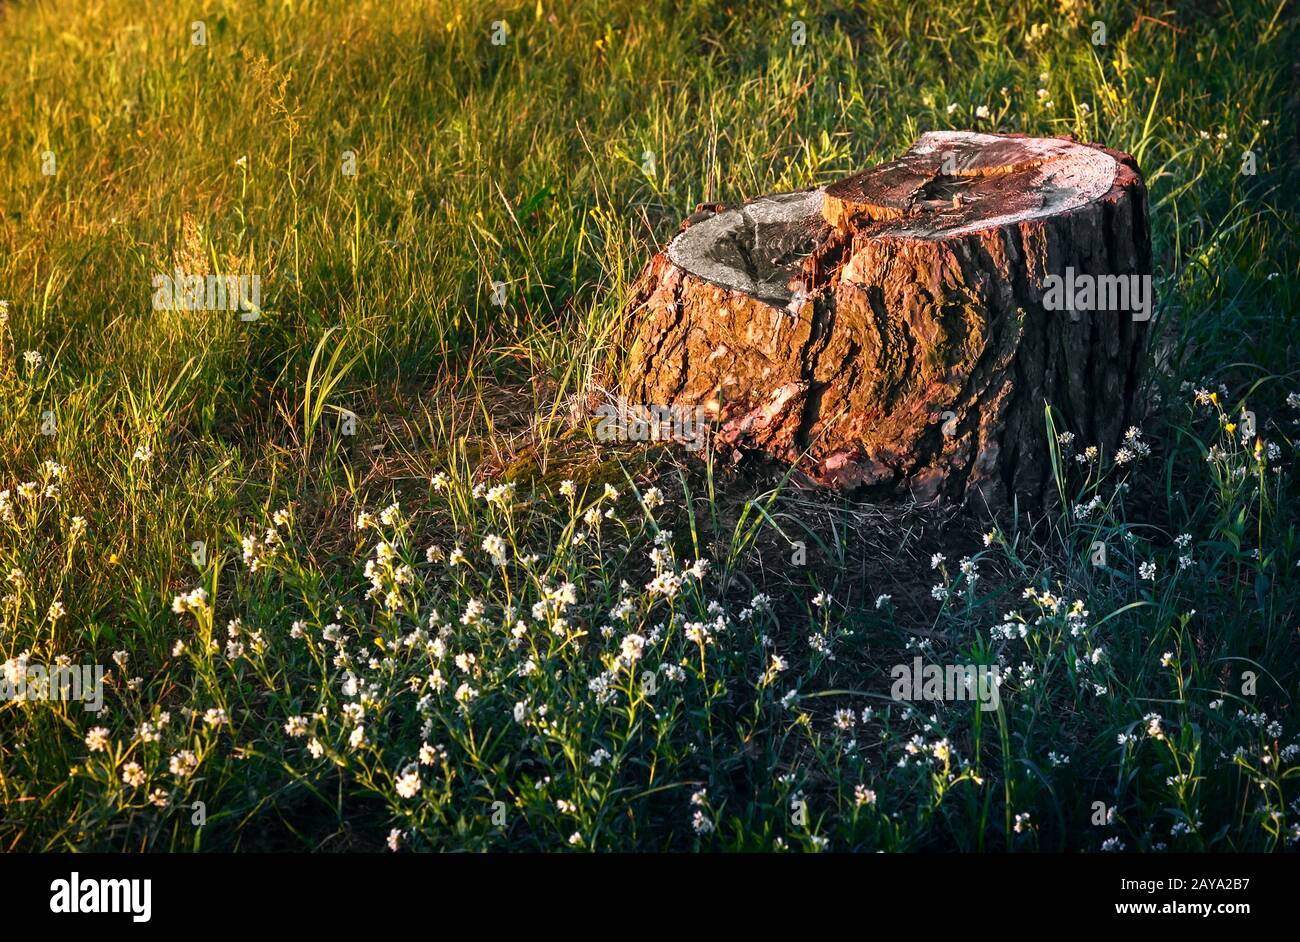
(890, 330)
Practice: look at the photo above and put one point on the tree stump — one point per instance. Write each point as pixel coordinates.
(903, 328)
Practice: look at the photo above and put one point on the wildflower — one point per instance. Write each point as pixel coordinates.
(408, 784)
(394, 839)
(1022, 822)
(1154, 727)
(56, 611)
(474, 610)
(666, 584)
(652, 498)
(296, 726)
(501, 494)
(495, 547)
(883, 600)
(215, 716)
(97, 739)
(132, 774)
(255, 552)
(568, 488)
(195, 601)
(982, 111)
(863, 796)
(183, 764)
(357, 738)
(439, 481)
(937, 560)
(33, 359)
(821, 599)
(631, 648)
(1147, 571)
(1167, 659)
(143, 453)
(701, 823)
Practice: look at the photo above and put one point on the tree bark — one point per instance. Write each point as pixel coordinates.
(898, 330)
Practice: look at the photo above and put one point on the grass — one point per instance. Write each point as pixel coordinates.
(556, 701)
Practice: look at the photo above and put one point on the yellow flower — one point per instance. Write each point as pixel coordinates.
(1230, 427)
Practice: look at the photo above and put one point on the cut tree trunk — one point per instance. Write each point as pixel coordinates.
(891, 331)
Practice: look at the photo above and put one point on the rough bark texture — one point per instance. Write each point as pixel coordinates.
(889, 331)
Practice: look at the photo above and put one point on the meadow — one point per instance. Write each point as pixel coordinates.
(362, 576)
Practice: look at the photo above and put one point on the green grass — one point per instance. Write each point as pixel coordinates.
(525, 164)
